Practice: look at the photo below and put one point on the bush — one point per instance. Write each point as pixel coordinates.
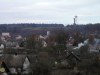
(41, 69)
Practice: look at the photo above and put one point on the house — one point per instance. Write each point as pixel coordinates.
(2, 46)
(44, 44)
(14, 63)
(19, 64)
(48, 33)
(41, 37)
(72, 55)
(26, 66)
(6, 34)
(93, 44)
(73, 59)
(2, 38)
(11, 44)
(1, 49)
(18, 37)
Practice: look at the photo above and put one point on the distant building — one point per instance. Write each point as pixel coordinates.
(2, 38)
(41, 37)
(11, 44)
(6, 34)
(44, 44)
(2, 46)
(93, 43)
(48, 33)
(18, 37)
(1, 50)
(19, 64)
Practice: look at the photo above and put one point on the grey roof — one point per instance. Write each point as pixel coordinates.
(17, 60)
(74, 56)
(14, 60)
(11, 44)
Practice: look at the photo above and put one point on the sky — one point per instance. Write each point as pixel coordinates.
(49, 11)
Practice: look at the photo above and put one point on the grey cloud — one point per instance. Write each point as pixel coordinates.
(51, 11)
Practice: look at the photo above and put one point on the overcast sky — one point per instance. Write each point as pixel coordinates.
(49, 11)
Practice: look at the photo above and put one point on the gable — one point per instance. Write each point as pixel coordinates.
(73, 56)
(26, 63)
